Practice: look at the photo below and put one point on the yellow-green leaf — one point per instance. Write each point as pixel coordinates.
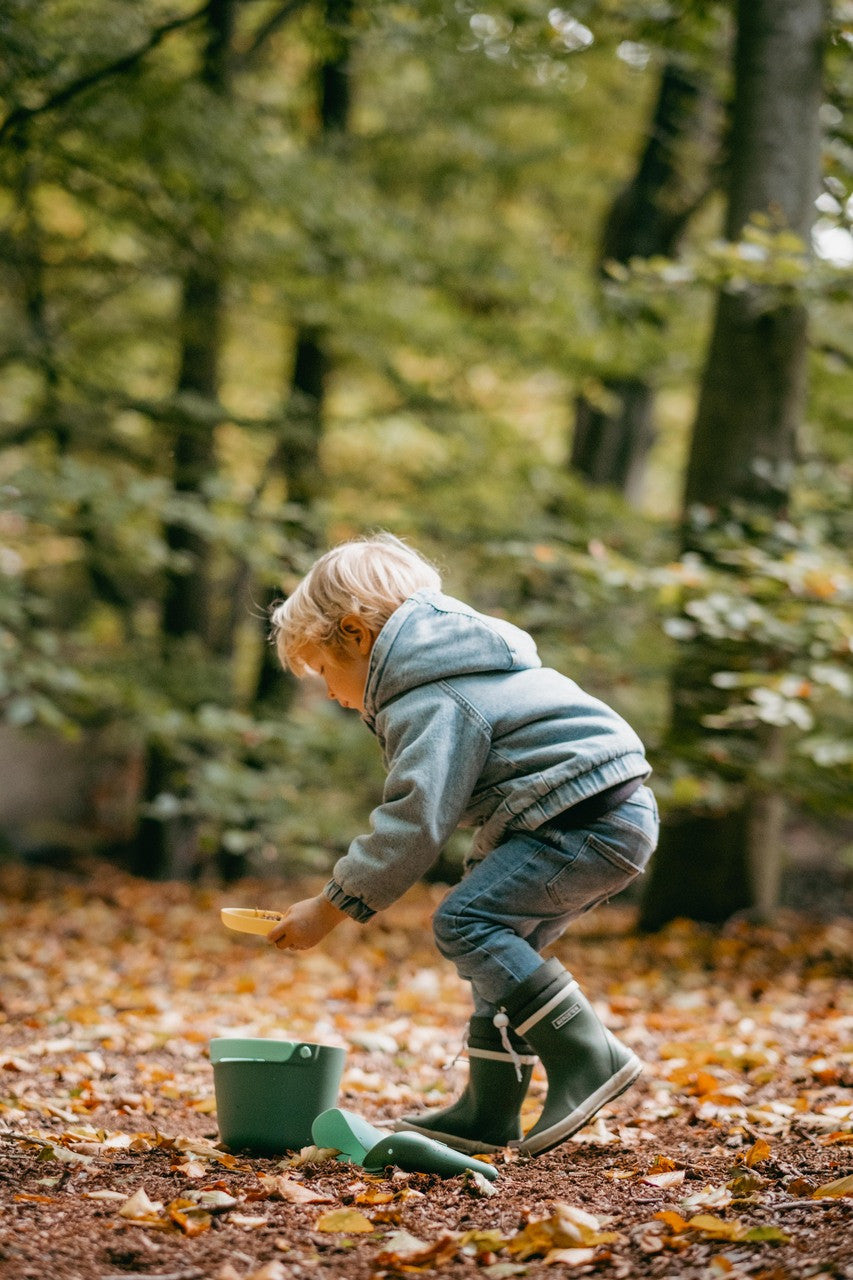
(348, 1220)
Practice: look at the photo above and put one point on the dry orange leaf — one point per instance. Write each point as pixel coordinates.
(673, 1220)
(836, 1190)
(187, 1215)
(372, 1195)
(759, 1151)
(662, 1164)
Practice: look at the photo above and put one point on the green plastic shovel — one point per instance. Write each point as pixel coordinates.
(363, 1144)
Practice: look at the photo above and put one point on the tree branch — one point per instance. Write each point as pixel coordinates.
(20, 115)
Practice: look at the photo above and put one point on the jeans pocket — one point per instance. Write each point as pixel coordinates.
(607, 861)
(588, 878)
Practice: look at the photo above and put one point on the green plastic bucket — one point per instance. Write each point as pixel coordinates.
(269, 1092)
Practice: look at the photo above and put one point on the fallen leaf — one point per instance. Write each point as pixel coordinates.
(596, 1134)
(709, 1197)
(85, 1148)
(346, 1220)
(673, 1220)
(835, 1190)
(139, 1208)
(187, 1215)
(280, 1187)
(214, 1200)
(403, 1250)
(569, 1257)
(672, 1179)
(568, 1227)
(63, 1155)
(476, 1243)
(373, 1195)
(311, 1155)
(717, 1228)
(764, 1235)
(760, 1150)
(746, 1183)
(478, 1184)
(247, 1220)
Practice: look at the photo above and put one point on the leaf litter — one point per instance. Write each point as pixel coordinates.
(733, 1157)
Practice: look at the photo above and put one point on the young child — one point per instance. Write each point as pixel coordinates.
(475, 732)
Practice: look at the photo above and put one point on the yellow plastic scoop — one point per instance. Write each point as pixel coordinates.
(249, 919)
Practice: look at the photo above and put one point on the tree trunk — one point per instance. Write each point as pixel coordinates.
(709, 864)
(186, 605)
(168, 847)
(300, 452)
(301, 455)
(613, 437)
(752, 392)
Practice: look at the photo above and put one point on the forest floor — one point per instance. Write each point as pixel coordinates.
(732, 1157)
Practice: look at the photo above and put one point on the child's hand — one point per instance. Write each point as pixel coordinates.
(305, 924)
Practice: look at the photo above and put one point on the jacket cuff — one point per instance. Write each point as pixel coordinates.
(345, 902)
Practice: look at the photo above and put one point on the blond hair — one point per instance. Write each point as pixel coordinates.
(369, 577)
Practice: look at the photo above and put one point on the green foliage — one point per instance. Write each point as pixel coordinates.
(761, 608)
(445, 246)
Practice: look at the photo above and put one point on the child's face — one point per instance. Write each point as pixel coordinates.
(345, 673)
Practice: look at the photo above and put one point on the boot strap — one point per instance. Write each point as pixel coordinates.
(494, 1055)
(546, 1008)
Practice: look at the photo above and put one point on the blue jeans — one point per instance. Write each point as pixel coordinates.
(525, 893)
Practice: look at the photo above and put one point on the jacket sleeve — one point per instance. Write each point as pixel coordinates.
(435, 757)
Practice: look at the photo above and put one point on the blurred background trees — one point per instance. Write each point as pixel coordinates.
(276, 273)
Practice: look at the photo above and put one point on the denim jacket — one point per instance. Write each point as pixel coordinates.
(475, 732)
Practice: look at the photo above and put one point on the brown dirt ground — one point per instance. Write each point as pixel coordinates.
(111, 988)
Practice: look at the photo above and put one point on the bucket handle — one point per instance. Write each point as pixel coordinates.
(229, 1049)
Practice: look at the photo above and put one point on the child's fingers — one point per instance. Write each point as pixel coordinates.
(278, 933)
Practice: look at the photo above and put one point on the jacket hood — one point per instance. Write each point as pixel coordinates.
(434, 637)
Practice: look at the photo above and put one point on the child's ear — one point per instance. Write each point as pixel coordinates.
(356, 632)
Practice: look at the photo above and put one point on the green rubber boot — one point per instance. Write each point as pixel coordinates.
(586, 1065)
(487, 1116)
